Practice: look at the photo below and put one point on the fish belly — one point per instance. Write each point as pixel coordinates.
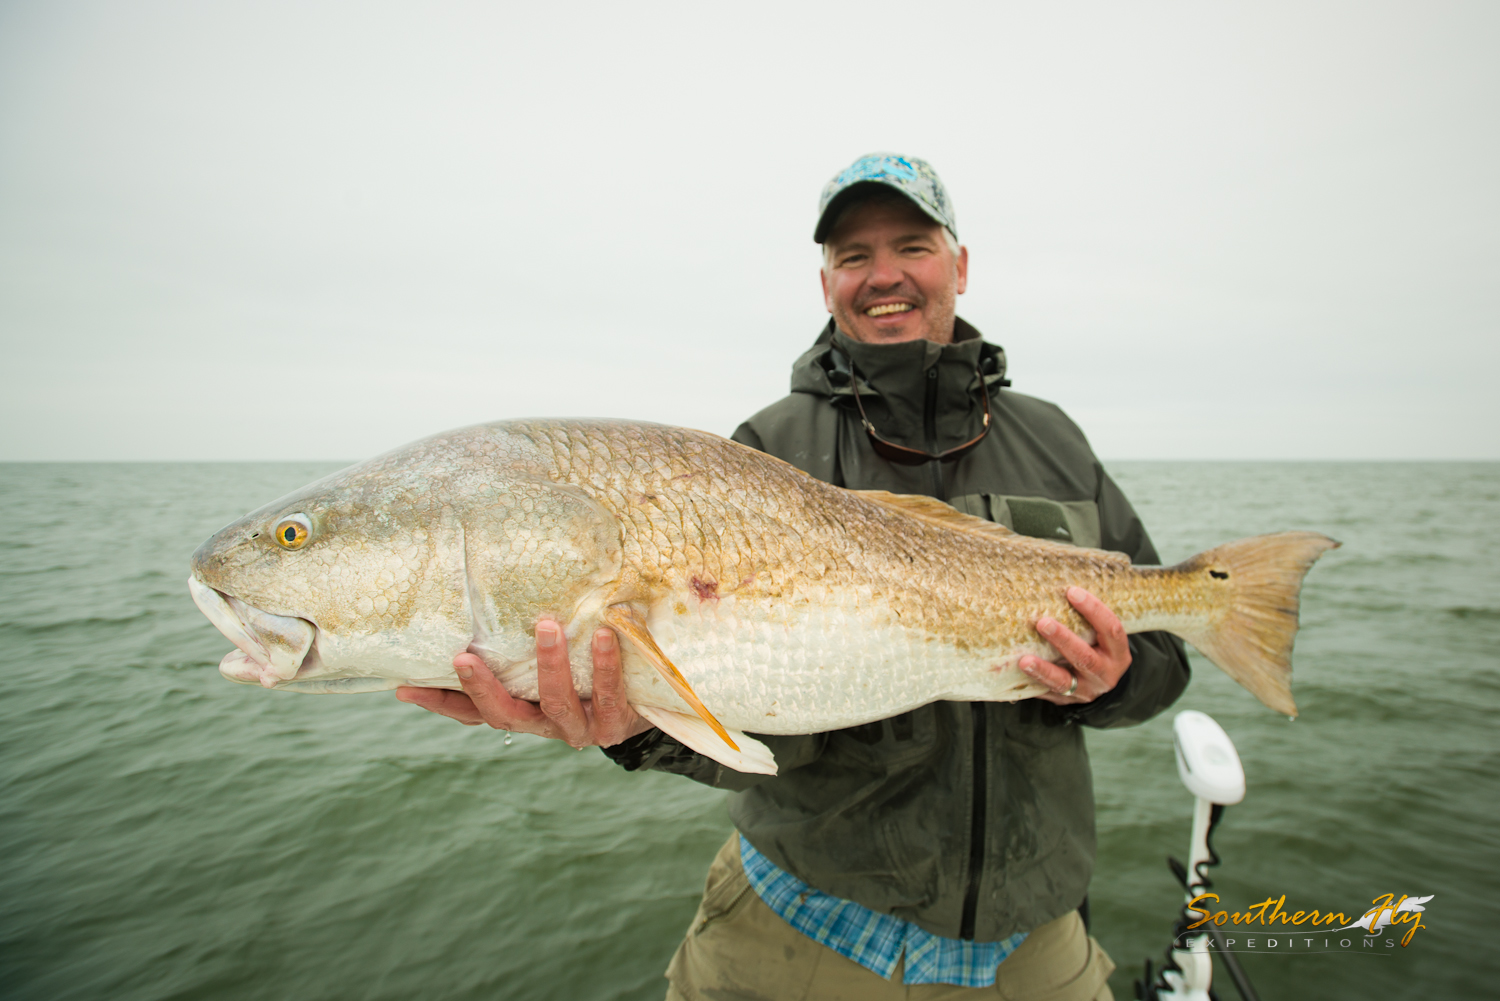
(774, 667)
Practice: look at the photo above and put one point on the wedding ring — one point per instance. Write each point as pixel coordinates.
(1072, 688)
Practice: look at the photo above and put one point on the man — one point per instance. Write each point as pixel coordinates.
(945, 852)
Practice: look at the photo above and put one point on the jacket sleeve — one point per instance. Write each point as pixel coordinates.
(1158, 670)
(656, 751)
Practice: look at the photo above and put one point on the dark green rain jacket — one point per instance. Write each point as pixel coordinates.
(971, 819)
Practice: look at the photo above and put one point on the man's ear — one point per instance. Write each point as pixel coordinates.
(963, 269)
(823, 278)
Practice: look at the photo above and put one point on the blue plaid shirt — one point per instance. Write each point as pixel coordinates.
(873, 940)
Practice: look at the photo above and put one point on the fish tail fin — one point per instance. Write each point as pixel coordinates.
(1252, 641)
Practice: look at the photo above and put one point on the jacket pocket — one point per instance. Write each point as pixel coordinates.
(1075, 522)
(1036, 724)
(885, 747)
(1061, 521)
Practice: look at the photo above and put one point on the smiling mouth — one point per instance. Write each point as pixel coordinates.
(889, 309)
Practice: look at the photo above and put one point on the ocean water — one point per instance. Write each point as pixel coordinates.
(170, 835)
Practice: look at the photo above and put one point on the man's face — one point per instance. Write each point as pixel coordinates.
(890, 275)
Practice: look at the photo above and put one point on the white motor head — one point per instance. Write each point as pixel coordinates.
(1206, 758)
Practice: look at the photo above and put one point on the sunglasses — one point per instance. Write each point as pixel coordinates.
(901, 455)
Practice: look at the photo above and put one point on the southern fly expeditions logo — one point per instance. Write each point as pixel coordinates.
(1263, 927)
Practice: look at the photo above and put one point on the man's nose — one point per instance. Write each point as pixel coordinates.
(885, 270)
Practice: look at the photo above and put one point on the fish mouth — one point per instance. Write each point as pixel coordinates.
(272, 649)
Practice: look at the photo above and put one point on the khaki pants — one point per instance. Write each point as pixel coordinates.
(738, 949)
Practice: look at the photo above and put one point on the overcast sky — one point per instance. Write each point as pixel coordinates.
(319, 230)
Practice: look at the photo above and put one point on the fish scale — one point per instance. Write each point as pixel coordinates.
(752, 597)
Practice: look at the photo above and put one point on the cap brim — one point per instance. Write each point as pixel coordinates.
(854, 191)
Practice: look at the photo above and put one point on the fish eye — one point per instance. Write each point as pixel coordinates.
(293, 531)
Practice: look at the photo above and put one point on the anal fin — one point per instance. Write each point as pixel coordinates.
(750, 756)
(628, 621)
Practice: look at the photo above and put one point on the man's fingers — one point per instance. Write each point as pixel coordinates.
(554, 678)
(493, 702)
(1055, 677)
(1109, 631)
(1095, 668)
(1068, 643)
(610, 710)
(454, 705)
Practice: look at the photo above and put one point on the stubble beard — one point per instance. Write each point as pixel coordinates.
(938, 316)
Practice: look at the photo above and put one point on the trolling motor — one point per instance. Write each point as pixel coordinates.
(1209, 766)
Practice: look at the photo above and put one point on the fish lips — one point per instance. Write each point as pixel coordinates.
(271, 648)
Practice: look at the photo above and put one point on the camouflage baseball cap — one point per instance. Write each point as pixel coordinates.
(912, 177)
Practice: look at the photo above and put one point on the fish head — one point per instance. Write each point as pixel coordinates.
(378, 575)
(367, 562)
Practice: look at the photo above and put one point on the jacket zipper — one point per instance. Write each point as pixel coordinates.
(980, 792)
(976, 822)
(929, 427)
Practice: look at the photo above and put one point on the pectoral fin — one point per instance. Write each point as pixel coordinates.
(628, 621)
(753, 756)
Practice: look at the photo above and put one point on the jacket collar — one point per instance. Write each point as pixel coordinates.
(827, 367)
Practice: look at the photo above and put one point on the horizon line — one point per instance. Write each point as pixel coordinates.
(255, 461)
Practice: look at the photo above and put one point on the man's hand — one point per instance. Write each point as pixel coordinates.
(605, 720)
(1095, 669)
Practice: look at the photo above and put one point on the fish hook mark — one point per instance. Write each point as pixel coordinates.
(706, 590)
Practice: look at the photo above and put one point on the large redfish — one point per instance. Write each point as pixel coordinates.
(750, 596)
